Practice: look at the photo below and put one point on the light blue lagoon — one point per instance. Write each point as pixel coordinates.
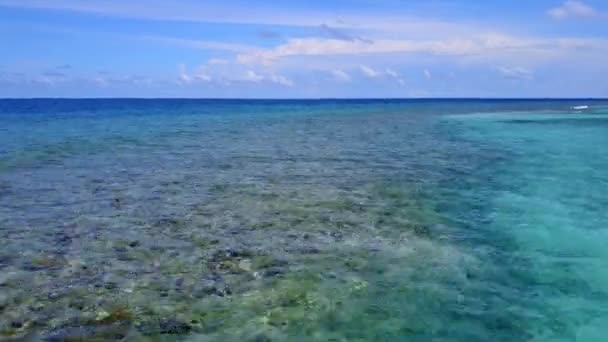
(328, 220)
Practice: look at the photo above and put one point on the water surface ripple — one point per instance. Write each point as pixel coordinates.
(366, 220)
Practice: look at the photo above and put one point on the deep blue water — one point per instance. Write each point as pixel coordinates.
(398, 220)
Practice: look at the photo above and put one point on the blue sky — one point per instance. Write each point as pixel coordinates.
(310, 49)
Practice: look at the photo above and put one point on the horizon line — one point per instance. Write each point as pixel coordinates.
(308, 98)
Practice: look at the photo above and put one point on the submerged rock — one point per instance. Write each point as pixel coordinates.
(75, 266)
(245, 265)
(164, 326)
(308, 250)
(53, 295)
(63, 239)
(231, 261)
(117, 315)
(112, 332)
(179, 283)
(261, 338)
(107, 281)
(4, 301)
(422, 230)
(16, 324)
(174, 326)
(5, 260)
(211, 288)
(273, 272)
(102, 315)
(37, 306)
(116, 203)
(44, 262)
(229, 253)
(7, 278)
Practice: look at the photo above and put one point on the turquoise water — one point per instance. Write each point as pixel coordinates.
(549, 200)
(444, 220)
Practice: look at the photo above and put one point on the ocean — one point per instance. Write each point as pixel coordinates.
(304, 220)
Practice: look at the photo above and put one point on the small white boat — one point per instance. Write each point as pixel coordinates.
(580, 107)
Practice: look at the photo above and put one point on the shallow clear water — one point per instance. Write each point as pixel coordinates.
(303, 220)
(549, 199)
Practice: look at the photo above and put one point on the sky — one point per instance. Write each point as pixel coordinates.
(303, 48)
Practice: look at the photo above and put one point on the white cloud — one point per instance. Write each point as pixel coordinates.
(224, 72)
(573, 8)
(230, 12)
(401, 42)
(252, 76)
(388, 73)
(369, 72)
(517, 73)
(217, 61)
(101, 81)
(183, 74)
(195, 44)
(185, 77)
(391, 73)
(481, 45)
(203, 77)
(427, 74)
(395, 75)
(282, 80)
(341, 76)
